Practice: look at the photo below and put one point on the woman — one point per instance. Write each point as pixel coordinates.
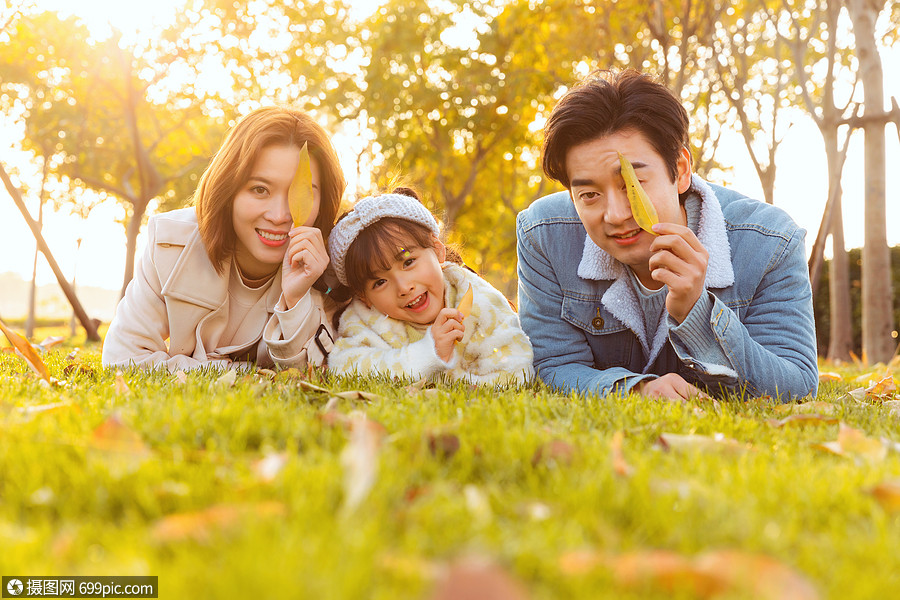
(232, 280)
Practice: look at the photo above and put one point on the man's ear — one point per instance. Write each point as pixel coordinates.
(684, 166)
(439, 248)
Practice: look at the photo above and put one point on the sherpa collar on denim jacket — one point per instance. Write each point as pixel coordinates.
(620, 298)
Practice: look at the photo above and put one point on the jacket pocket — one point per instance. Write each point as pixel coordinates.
(610, 341)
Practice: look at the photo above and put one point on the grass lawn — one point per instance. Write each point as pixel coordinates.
(273, 486)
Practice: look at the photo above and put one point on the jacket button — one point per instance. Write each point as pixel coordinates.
(597, 322)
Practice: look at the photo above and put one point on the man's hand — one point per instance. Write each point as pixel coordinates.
(679, 261)
(671, 386)
(446, 330)
(304, 262)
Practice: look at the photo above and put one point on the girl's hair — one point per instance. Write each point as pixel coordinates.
(230, 169)
(376, 246)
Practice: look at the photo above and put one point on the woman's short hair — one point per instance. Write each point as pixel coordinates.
(608, 102)
(231, 167)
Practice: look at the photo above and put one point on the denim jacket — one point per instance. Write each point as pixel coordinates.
(752, 330)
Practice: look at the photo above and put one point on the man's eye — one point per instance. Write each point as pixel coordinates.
(589, 195)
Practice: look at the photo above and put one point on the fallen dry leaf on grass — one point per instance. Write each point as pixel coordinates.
(829, 376)
(816, 406)
(803, 420)
(45, 408)
(268, 467)
(477, 579)
(705, 576)
(201, 525)
(887, 493)
(883, 389)
(360, 460)
(49, 342)
(443, 445)
(677, 442)
(620, 465)
(554, 452)
(120, 386)
(357, 395)
(26, 351)
(853, 443)
(113, 436)
(227, 379)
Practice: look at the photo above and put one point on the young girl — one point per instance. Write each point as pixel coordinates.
(232, 280)
(403, 319)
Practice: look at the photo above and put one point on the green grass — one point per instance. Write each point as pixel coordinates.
(70, 505)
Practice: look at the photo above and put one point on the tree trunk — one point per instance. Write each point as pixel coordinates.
(877, 315)
(841, 338)
(131, 233)
(32, 291)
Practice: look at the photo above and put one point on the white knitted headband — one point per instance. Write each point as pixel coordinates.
(368, 211)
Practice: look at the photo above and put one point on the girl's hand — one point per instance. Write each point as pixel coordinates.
(679, 260)
(304, 262)
(446, 330)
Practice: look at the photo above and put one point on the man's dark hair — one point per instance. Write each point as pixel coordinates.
(608, 102)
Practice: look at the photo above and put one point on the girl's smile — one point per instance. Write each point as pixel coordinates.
(412, 289)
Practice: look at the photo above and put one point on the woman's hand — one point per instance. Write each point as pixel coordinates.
(446, 330)
(304, 262)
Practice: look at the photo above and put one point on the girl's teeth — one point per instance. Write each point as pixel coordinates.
(416, 302)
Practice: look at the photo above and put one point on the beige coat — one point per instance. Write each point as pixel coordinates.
(177, 303)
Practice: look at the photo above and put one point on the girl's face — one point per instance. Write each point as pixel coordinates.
(260, 214)
(412, 289)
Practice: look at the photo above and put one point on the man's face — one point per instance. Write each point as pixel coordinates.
(598, 191)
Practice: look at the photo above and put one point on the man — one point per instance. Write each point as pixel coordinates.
(716, 299)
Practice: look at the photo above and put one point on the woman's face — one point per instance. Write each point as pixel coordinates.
(260, 214)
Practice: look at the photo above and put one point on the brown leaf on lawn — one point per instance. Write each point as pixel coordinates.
(883, 389)
(829, 376)
(45, 408)
(443, 445)
(227, 379)
(121, 387)
(756, 575)
(474, 579)
(554, 452)
(357, 395)
(853, 443)
(677, 442)
(311, 387)
(267, 373)
(25, 350)
(360, 459)
(802, 420)
(268, 467)
(49, 342)
(74, 368)
(816, 406)
(201, 525)
(887, 493)
(705, 576)
(620, 465)
(113, 436)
